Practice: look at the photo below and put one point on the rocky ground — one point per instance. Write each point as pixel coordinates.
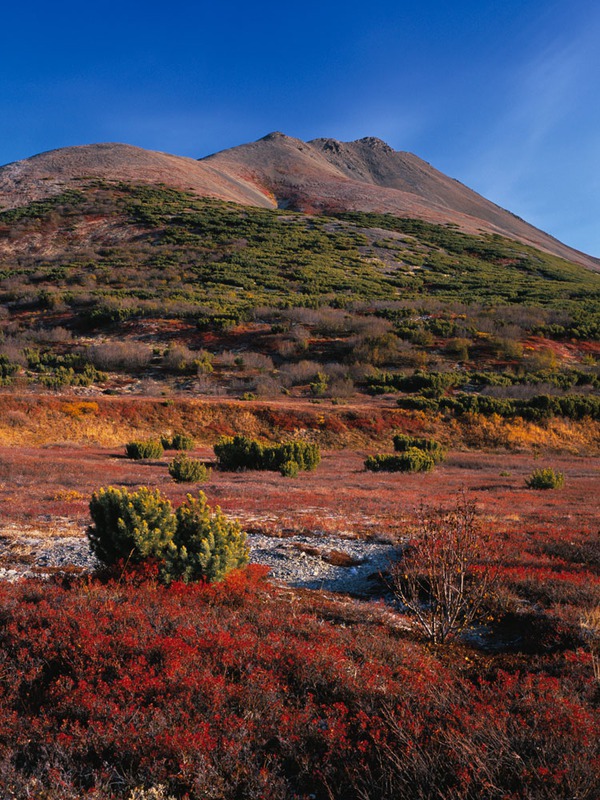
(327, 562)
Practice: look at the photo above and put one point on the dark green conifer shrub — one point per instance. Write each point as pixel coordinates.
(184, 469)
(289, 469)
(209, 545)
(194, 543)
(404, 442)
(545, 478)
(412, 460)
(240, 452)
(182, 441)
(140, 450)
(132, 526)
(179, 441)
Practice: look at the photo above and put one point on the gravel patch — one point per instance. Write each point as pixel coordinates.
(298, 560)
(295, 566)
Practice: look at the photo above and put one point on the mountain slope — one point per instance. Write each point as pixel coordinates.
(320, 176)
(49, 173)
(367, 175)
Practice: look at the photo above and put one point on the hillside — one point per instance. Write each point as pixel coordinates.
(48, 174)
(151, 289)
(376, 392)
(325, 175)
(320, 176)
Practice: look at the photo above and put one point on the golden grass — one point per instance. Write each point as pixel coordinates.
(35, 420)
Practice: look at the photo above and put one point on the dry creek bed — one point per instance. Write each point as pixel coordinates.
(327, 562)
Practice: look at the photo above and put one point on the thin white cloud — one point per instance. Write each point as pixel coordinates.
(541, 157)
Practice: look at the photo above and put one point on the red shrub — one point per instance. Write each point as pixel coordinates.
(232, 690)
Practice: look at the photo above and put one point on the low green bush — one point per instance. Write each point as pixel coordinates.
(179, 441)
(208, 544)
(130, 526)
(193, 543)
(183, 441)
(545, 478)
(144, 449)
(184, 469)
(239, 453)
(289, 469)
(411, 460)
(540, 407)
(404, 442)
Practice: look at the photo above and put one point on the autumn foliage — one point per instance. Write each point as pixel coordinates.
(234, 690)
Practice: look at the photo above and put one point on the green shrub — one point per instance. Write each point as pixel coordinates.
(179, 441)
(404, 442)
(240, 452)
(412, 460)
(305, 454)
(319, 386)
(208, 544)
(418, 403)
(140, 450)
(193, 543)
(183, 441)
(289, 469)
(184, 469)
(131, 526)
(545, 478)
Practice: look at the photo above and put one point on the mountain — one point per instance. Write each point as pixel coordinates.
(50, 173)
(320, 176)
(368, 175)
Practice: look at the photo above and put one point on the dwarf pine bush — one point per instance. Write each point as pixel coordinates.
(404, 442)
(545, 478)
(194, 543)
(184, 469)
(240, 452)
(140, 450)
(132, 526)
(412, 460)
(179, 441)
(289, 469)
(208, 544)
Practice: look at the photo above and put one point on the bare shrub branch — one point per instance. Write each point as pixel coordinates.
(444, 578)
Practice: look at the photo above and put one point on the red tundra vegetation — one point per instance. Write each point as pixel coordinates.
(240, 690)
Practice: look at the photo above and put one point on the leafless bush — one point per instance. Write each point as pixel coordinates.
(378, 350)
(178, 358)
(289, 348)
(341, 387)
(227, 358)
(207, 385)
(443, 578)
(297, 374)
(256, 361)
(590, 627)
(150, 388)
(12, 348)
(120, 355)
(56, 335)
(267, 386)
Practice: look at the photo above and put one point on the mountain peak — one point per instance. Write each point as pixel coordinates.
(274, 136)
(374, 143)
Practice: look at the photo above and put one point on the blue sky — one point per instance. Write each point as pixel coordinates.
(504, 95)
